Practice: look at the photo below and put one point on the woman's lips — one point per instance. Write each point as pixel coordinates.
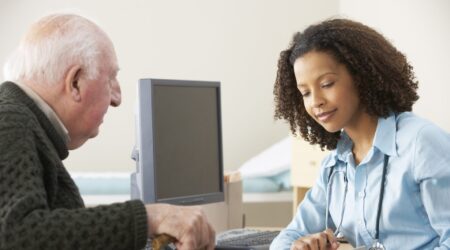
(325, 116)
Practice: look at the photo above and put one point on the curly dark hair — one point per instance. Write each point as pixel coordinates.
(383, 77)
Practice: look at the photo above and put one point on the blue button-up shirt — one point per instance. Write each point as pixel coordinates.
(415, 212)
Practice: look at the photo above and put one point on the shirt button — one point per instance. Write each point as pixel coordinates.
(361, 194)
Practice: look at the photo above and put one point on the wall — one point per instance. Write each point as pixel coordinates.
(232, 41)
(420, 29)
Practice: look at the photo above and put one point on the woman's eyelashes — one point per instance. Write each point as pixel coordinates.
(305, 93)
(327, 84)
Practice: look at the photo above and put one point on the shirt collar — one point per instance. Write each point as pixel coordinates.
(384, 140)
(343, 148)
(385, 135)
(48, 111)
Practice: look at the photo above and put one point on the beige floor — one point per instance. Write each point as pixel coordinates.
(267, 214)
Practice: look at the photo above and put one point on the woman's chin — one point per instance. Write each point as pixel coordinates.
(331, 129)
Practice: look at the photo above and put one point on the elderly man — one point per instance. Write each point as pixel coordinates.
(60, 82)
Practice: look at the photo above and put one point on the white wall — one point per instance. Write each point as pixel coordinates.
(420, 29)
(236, 42)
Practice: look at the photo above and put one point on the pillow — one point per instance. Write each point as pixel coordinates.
(272, 161)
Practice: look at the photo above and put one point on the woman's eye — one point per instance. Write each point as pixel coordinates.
(327, 84)
(304, 94)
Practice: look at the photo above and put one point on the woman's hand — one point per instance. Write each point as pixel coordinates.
(320, 241)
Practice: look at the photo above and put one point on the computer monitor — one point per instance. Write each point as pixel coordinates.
(178, 149)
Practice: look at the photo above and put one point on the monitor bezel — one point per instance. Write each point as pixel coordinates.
(148, 192)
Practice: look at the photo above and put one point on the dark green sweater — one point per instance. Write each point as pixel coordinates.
(40, 206)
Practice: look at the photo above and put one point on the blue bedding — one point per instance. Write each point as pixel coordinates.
(276, 183)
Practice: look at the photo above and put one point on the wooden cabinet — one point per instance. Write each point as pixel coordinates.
(306, 161)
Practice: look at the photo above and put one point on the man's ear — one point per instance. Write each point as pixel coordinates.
(72, 82)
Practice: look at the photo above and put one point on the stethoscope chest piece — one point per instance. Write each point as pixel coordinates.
(377, 246)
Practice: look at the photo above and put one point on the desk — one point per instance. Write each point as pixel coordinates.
(341, 247)
(345, 247)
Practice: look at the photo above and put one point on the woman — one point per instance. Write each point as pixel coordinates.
(386, 183)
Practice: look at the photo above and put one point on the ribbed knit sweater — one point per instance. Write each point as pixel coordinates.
(40, 205)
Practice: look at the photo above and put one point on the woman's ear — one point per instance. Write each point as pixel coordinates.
(72, 81)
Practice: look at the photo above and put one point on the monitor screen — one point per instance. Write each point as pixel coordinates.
(179, 146)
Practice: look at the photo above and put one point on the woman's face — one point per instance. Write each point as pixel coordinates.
(329, 93)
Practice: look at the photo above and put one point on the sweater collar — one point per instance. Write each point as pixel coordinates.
(18, 94)
(48, 111)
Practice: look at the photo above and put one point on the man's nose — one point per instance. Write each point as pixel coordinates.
(116, 95)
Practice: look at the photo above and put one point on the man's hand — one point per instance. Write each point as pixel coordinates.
(320, 241)
(187, 224)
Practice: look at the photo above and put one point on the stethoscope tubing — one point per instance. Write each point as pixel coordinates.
(377, 244)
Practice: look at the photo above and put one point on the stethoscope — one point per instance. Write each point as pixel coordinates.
(377, 245)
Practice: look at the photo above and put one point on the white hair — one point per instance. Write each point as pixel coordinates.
(53, 45)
